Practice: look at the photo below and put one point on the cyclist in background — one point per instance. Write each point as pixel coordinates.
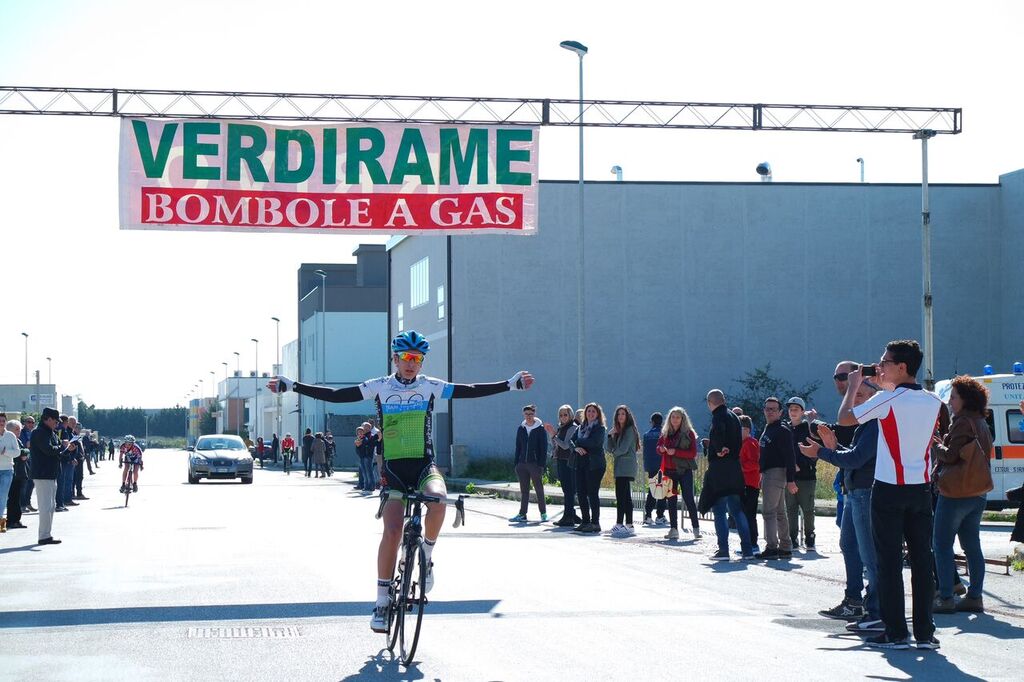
(130, 459)
(287, 451)
(405, 406)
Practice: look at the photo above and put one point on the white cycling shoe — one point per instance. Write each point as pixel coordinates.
(428, 585)
(378, 621)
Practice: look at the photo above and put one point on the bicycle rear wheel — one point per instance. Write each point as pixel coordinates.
(415, 599)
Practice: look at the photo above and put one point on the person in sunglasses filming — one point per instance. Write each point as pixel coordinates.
(405, 405)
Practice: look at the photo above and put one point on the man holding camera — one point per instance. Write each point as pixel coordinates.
(901, 499)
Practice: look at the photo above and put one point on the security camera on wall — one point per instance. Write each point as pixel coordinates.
(764, 169)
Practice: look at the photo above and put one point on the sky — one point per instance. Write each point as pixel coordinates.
(136, 318)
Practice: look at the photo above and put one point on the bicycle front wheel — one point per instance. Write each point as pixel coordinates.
(415, 599)
(394, 607)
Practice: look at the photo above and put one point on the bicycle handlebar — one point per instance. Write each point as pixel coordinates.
(460, 507)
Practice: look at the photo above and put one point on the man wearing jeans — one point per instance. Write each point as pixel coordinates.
(901, 499)
(858, 464)
(723, 482)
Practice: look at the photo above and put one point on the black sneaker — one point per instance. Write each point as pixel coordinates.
(768, 554)
(884, 641)
(865, 625)
(720, 556)
(930, 643)
(785, 554)
(846, 610)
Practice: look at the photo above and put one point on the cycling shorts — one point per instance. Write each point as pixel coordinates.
(132, 459)
(410, 475)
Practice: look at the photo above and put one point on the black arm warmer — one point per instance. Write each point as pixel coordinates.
(479, 390)
(349, 394)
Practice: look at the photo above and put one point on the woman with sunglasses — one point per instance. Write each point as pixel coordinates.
(565, 457)
(405, 407)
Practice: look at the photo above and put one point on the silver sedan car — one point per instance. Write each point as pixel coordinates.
(219, 456)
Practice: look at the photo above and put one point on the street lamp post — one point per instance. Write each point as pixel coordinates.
(238, 375)
(227, 405)
(25, 334)
(323, 336)
(277, 354)
(580, 50)
(256, 392)
(926, 265)
(213, 380)
(49, 369)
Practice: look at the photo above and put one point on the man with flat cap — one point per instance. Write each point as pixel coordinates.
(46, 450)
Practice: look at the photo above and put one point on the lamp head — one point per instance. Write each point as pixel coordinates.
(574, 46)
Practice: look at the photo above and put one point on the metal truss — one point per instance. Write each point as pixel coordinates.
(476, 110)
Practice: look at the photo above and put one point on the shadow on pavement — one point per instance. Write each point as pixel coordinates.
(386, 666)
(915, 663)
(981, 623)
(34, 547)
(218, 612)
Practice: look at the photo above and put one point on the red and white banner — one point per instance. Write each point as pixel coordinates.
(391, 178)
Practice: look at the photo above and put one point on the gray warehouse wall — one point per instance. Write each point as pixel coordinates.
(688, 286)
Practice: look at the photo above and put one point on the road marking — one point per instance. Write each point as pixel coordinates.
(244, 632)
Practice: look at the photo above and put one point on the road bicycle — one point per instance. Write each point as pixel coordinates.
(407, 596)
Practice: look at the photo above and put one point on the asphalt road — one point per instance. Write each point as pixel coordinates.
(274, 581)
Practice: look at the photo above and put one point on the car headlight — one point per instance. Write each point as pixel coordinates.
(198, 459)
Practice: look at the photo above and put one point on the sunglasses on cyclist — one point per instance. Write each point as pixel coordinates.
(841, 376)
(411, 357)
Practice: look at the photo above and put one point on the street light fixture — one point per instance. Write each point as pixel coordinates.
(579, 49)
(49, 369)
(213, 380)
(25, 334)
(227, 406)
(323, 336)
(256, 392)
(277, 352)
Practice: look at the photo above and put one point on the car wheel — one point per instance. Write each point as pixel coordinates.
(192, 479)
(247, 480)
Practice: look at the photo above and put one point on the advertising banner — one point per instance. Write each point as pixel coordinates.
(352, 178)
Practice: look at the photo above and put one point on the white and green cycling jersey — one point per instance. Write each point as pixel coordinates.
(405, 412)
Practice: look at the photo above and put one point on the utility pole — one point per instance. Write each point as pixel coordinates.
(926, 264)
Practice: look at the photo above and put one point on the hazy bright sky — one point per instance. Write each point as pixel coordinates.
(136, 318)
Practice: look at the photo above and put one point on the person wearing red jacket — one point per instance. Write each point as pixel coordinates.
(678, 449)
(750, 462)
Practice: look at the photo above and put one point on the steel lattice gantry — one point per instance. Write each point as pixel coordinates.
(274, 106)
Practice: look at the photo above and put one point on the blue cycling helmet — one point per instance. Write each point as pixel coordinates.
(410, 341)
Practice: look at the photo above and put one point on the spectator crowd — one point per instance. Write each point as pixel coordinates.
(913, 476)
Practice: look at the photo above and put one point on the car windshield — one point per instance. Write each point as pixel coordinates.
(220, 444)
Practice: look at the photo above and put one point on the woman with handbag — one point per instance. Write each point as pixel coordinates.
(678, 449)
(963, 477)
(565, 458)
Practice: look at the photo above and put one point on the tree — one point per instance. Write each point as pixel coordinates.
(759, 384)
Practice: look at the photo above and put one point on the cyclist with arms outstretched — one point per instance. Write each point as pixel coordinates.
(130, 460)
(405, 405)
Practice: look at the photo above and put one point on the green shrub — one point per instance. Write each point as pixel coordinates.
(470, 488)
(491, 469)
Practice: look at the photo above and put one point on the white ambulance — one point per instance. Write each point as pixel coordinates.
(1005, 391)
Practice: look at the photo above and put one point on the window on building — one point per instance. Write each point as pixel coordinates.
(1015, 426)
(419, 278)
(440, 302)
(401, 317)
